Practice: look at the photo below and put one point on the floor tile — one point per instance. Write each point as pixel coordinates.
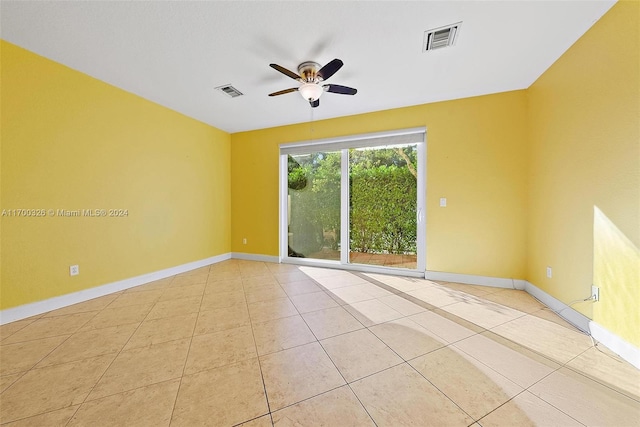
(291, 276)
(551, 316)
(401, 284)
(402, 305)
(221, 319)
(476, 290)
(473, 386)
(407, 338)
(547, 338)
(251, 283)
(271, 309)
(527, 410)
(486, 314)
(222, 300)
(87, 344)
(299, 373)
(195, 279)
(281, 334)
(372, 312)
(53, 387)
(9, 329)
(330, 322)
(275, 268)
(178, 307)
(587, 401)
(400, 396)
(22, 356)
(152, 286)
(317, 272)
(339, 280)
(196, 271)
(300, 287)
(521, 367)
(226, 281)
(172, 294)
(442, 327)
(440, 296)
(50, 327)
(606, 367)
(118, 316)
(263, 421)
(229, 395)
(220, 348)
(351, 294)
(516, 299)
(7, 380)
(95, 304)
(230, 266)
(140, 367)
(338, 407)
(264, 293)
(147, 406)
(156, 331)
(136, 298)
(59, 417)
(306, 303)
(359, 353)
(254, 271)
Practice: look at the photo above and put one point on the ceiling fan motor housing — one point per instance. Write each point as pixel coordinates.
(309, 71)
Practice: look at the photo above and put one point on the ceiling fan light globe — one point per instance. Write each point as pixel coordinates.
(311, 91)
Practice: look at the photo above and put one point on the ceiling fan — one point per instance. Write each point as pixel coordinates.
(311, 76)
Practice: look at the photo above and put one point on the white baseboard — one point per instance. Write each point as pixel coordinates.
(626, 350)
(572, 316)
(255, 257)
(468, 279)
(39, 307)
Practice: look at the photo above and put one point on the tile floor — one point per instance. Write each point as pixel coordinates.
(259, 344)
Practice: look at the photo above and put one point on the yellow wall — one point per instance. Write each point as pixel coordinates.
(72, 142)
(476, 157)
(584, 173)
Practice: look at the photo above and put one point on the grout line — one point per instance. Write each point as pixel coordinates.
(255, 345)
(186, 358)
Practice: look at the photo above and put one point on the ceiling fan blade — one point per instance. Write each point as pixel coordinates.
(282, 92)
(286, 72)
(315, 103)
(344, 90)
(330, 69)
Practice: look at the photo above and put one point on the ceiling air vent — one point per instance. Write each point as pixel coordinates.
(440, 37)
(229, 90)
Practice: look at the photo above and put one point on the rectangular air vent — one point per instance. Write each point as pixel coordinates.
(229, 90)
(440, 37)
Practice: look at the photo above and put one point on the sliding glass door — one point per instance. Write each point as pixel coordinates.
(383, 197)
(356, 202)
(313, 205)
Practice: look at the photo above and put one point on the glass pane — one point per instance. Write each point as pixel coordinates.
(383, 202)
(314, 205)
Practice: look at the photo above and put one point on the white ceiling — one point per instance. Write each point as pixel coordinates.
(175, 53)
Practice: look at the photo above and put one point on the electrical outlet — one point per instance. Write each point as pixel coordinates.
(595, 293)
(443, 202)
(244, 241)
(549, 272)
(74, 270)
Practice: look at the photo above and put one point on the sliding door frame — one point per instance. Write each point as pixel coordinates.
(343, 144)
